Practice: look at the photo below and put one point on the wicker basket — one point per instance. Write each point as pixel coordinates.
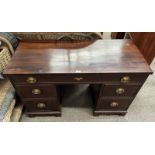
(5, 57)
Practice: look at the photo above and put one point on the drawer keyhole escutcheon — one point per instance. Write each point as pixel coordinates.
(126, 79)
(78, 78)
(36, 91)
(120, 91)
(31, 80)
(114, 104)
(41, 105)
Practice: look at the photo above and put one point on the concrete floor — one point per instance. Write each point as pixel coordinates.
(77, 106)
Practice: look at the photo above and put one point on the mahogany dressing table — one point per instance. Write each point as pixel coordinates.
(115, 70)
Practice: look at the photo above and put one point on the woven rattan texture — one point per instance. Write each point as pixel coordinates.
(7, 117)
(5, 57)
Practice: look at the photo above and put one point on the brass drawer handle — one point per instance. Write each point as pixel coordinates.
(120, 91)
(36, 91)
(41, 105)
(114, 104)
(78, 78)
(126, 79)
(31, 80)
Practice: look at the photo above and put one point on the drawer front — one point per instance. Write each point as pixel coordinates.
(30, 79)
(39, 91)
(120, 90)
(114, 104)
(59, 78)
(78, 78)
(41, 105)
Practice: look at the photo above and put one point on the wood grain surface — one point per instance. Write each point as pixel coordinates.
(102, 56)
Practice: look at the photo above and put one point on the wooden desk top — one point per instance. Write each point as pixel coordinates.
(102, 56)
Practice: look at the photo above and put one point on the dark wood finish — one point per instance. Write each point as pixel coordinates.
(111, 90)
(50, 105)
(103, 62)
(46, 91)
(105, 104)
(72, 78)
(117, 35)
(110, 56)
(145, 41)
(45, 113)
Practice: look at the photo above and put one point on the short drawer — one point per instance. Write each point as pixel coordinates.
(114, 104)
(79, 78)
(41, 105)
(120, 90)
(30, 79)
(38, 91)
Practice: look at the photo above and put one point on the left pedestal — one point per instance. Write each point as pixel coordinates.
(40, 98)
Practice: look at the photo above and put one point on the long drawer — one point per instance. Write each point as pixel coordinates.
(78, 78)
